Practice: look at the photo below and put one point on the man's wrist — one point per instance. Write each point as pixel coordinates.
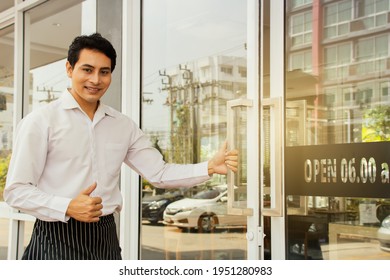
(210, 167)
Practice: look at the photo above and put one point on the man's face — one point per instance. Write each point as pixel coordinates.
(91, 77)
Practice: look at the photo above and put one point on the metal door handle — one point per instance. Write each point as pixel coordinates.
(276, 160)
(231, 104)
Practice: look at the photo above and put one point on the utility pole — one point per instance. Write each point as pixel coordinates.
(167, 85)
(193, 109)
(50, 94)
(147, 100)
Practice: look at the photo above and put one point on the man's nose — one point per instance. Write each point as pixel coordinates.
(95, 78)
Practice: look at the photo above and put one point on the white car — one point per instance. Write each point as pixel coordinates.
(204, 212)
(384, 234)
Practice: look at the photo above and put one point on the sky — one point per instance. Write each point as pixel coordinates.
(180, 31)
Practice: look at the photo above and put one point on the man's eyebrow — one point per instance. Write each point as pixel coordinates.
(90, 66)
(87, 65)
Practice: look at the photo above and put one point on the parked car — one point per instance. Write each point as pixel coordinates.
(153, 206)
(384, 234)
(203, 212)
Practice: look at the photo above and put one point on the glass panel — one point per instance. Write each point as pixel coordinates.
(28, 227)
(337, 127)
(48, 51)
(6, 4)
(6, 101)
(50, 34)
(194, 61)
(240, 143)
(4, 228)
(297, 3)
(6, 121)
(336, 19)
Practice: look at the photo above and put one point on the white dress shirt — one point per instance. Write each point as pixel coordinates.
(59, 151)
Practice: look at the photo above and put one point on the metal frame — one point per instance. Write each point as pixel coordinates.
(255, 132)
(254, 239)
(277, 86)
(131, 90)
(231, 104)
(276, 208)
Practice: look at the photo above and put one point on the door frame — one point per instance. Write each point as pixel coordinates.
(130, 215)
(255, 65)
(277, 89)
(131, 83)
(254, 232)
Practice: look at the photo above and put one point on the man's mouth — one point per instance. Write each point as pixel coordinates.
(93, 89)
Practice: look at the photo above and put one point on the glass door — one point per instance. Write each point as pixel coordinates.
(337, 134)
(194, 62)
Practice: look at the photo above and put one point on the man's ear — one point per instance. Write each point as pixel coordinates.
(69, 69)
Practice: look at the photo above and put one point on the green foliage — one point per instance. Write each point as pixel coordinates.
(4, 162)
(376, 125)
(181, 140)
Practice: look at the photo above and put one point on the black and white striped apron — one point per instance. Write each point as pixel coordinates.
(74, 240)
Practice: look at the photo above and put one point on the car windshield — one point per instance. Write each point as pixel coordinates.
(208, 194)
(169, 194)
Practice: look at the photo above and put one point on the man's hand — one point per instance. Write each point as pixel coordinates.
(223, 160)
(85, 208)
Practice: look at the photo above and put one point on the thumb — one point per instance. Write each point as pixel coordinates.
(223, 147)
(90, 189)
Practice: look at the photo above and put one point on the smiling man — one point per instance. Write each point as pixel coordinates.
(67, 157)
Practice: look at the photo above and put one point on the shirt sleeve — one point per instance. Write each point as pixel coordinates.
(26, 166)
(148, 162)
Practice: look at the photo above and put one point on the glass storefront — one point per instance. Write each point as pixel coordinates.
(3, 238)
(6, 4)
(337, 129)
(47, 77)
(6, 101)
(45, 50)
(6, 119)
(194, 61)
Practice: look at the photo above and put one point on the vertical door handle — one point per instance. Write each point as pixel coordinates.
(231, 104)
(276, 160)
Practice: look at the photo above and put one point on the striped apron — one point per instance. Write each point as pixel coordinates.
(74, 240)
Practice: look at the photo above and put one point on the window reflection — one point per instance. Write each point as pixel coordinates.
(194, 61)
(48, 52)
(4, 224)
(50, 35)
(6, 101)
(6, 4)
(342, 98)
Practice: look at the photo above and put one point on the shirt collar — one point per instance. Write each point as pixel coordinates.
(68, 102)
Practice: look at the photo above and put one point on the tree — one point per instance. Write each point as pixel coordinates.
(376, 124)
(5, 157)
(181, 140)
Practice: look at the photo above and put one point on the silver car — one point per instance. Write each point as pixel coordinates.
(384, 234)
(204, 212)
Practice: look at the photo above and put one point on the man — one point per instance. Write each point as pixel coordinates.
(67, 156)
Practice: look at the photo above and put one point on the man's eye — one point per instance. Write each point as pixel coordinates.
(87, 70)
(105, 72)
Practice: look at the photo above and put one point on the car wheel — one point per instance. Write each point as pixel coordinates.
(153, 222)
(207, 223)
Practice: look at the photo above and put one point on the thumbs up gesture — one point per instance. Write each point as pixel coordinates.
(84, 207)
(223, 160)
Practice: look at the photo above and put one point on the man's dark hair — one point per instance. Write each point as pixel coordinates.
(92, 42)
